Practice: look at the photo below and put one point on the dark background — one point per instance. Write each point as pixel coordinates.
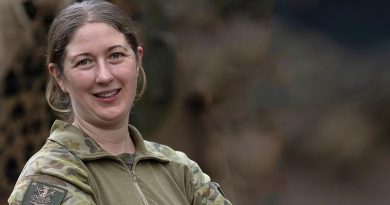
(281, 102)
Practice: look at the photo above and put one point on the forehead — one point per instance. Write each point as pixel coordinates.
(88, 30)
(95, 36)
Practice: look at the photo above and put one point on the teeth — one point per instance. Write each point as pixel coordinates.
(107, 95)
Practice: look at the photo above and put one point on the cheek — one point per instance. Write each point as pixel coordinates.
(127, 74)
(79, 80)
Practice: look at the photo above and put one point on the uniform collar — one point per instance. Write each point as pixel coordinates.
(86, 148)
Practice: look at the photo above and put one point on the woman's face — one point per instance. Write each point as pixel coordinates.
(100, 74)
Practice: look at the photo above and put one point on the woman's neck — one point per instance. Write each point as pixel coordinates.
(114, 140)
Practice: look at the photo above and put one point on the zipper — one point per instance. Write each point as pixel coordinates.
(132, 173)
(138, 188)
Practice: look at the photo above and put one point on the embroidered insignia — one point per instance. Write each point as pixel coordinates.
(39, 193)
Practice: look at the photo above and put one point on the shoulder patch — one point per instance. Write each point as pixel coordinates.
(43, 194)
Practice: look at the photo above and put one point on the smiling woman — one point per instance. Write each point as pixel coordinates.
(93, 156)
(101, 79)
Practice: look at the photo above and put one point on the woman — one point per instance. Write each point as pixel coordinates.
(94, 156)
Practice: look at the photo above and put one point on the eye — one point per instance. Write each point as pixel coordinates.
(116, 55)
(83, 62)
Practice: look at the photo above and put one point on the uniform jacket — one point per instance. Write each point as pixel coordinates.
(71, 168)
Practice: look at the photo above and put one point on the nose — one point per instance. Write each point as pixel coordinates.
(103, 73)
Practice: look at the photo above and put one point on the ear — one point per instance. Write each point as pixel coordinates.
(140, 53)
(55, 73)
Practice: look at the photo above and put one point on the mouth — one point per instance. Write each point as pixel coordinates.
(107, 94)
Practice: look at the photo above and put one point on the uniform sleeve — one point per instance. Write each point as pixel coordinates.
(52, 176)
(41, 189)
(203, 190)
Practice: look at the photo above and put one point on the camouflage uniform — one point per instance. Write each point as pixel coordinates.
(72, 169)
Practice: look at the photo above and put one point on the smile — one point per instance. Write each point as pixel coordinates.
(107, 94)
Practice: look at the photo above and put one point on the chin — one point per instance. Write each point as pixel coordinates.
(114, 116)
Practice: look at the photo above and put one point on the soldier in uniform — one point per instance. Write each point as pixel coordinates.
(93, 156)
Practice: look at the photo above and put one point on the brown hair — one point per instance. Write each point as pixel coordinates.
(61, 32)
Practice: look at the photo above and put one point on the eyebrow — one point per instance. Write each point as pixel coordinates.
(116, 46)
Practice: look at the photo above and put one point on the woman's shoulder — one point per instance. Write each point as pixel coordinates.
(52, 156)
(55, 162)
(55, 169)
(166, 152)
